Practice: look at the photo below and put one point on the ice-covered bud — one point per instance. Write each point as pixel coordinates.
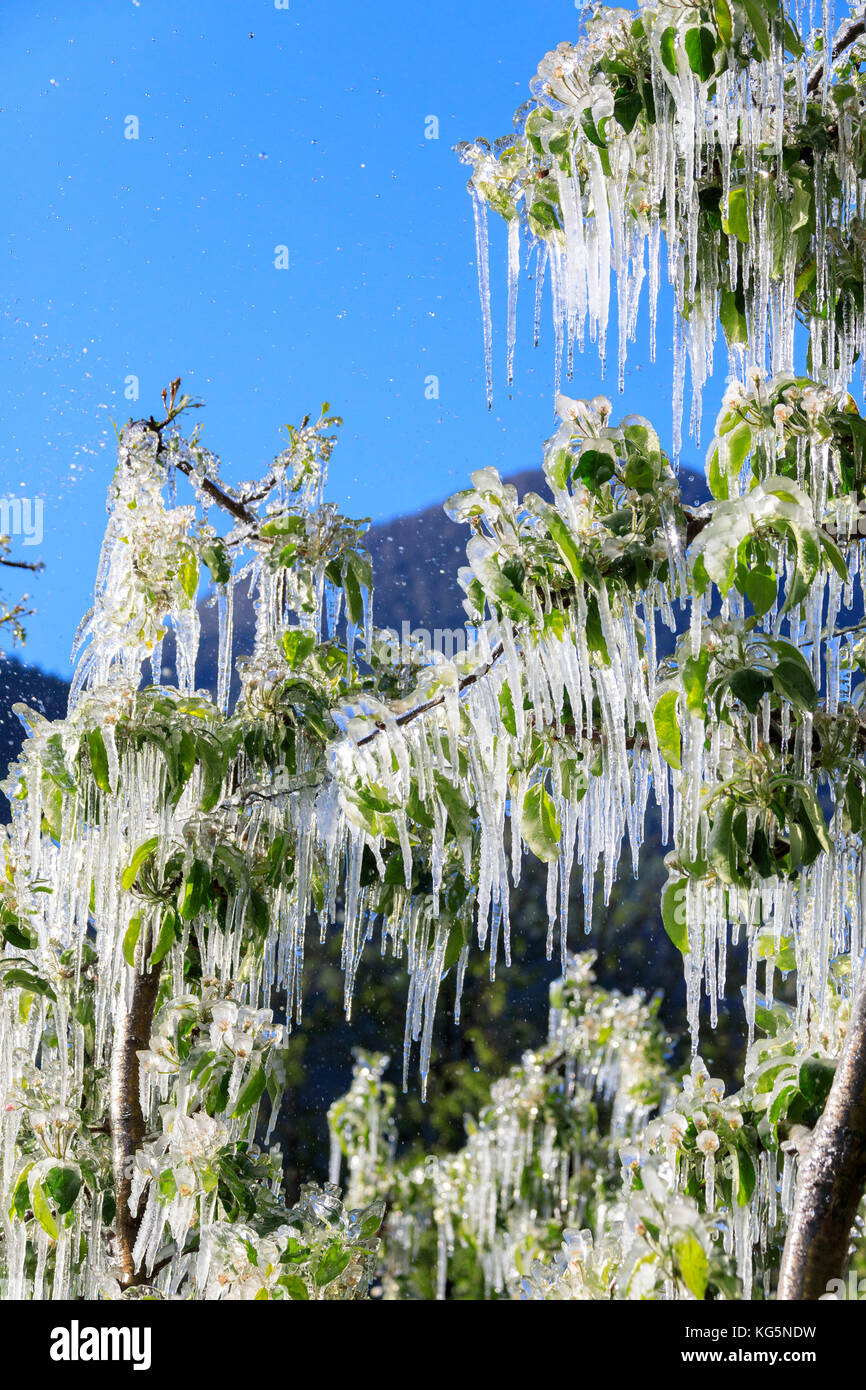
(756, 375)
(62, 1117)
(697, 1078)
(242, 1045)
(674, 1127)
(781, 416)
(708, 1141)
(734, 396)
(224, 1016)
(630, 1159)
(186, 1181)
(699, 1119)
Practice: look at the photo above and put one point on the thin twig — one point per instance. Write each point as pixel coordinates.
(847, 35)
(438, 699)
(34, 566)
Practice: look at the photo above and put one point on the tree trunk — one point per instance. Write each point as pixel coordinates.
(127, 1120)
(833, 1175)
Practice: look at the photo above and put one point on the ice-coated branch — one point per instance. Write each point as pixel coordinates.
(214, 491)
(466, 682)
(695, 522)
(833, 1174)
(127, 1121)
(847, 35)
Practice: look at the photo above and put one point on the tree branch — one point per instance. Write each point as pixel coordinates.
(438, 699)
(127, 1121)
(833, 1175)
(847, 35)
(34, 566)
(214, 491)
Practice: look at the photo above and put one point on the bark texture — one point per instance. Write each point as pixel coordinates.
(833, 1175)
(127, 1120)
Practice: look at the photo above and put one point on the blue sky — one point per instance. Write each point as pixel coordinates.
(154, 257)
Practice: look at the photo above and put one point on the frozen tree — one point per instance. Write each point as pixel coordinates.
(170, 849)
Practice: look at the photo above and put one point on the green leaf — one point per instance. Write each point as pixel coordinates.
(168, 934)
(700, 47)
(755, 13)
(812, 807)
(750, 686)
(627, 106)
(459, 812)
(506, 709)
(761, 587)
(737, 221)
(778, 1106)
(295, 1253)
(694, 677)
(373, 1216)
(793, 42)
(539, 826)
(724, 21)
(593, 133)
(63, 1185)
(215, 556)
(834, 555)
(98, 759)
(596, 466)
(674, 913)
(694, 1266)
(167, 1185)
(251, 1093)
(794, 681)
(331, 1265)
(188, 571)
(732, 312)
(668, 50)
(815, 1080)
(565, 543)
(667, 729)
(21, 939)
(494, 583)
(130, 940)
(21, 1196)
(354, 599)
(745, 1173)
(42, 1211)
(34, 984)
(193, 890)
(721, 849)
(295, 1287)
(297, 645)
(805, 278)
(144, 851)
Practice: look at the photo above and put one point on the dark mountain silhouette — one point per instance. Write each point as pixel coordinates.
(415, 564)
(24, 684)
